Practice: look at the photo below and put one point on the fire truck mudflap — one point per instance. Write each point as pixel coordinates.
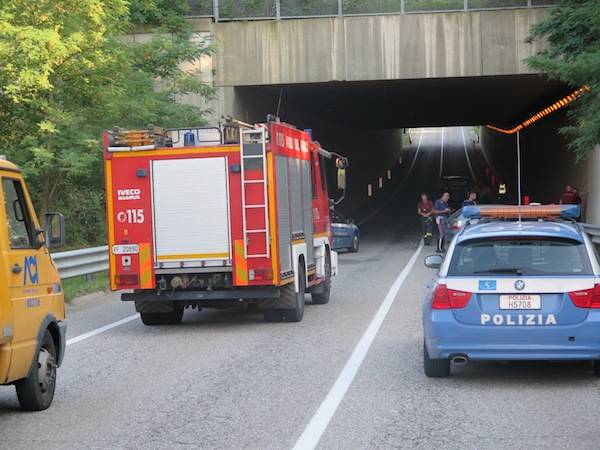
(218, 216)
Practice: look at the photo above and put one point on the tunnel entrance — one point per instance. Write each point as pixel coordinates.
(380, 124)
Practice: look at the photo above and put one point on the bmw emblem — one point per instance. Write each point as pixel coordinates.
(519, 285)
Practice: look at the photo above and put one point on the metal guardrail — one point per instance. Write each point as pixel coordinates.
(86, 261)
(229, 10)
(593, 231)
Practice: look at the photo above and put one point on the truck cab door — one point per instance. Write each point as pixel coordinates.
(29, 277)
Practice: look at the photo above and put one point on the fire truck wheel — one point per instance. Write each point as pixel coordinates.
(295, 314)
(322, 298)
(150, 319)
(35, 393)
(272, 315)
(172, 318)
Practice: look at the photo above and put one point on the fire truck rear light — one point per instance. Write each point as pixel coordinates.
(587, 298)
(129, 279)
(444, 298)
(261, 274)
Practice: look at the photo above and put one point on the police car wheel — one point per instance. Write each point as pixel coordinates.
(435, 368)
(355, 244)
(597, 368)
(322, 298)
(36, 392)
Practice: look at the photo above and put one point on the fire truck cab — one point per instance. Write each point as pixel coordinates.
(219, 216)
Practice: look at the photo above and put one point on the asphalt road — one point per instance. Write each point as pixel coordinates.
(227, 379)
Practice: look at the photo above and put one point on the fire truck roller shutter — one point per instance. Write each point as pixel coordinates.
(191, 212)
(283, 215)
(295, 191)
(307, 213)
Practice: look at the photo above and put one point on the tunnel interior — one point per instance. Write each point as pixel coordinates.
(404, 137)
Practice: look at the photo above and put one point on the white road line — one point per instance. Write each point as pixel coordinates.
(442, 154)
(462, 131)
(311, 435)
(97, 331)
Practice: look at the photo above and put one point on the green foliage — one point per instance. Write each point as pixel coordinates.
(86, 284)
(166, 14)
(66, 74)
(573, 56)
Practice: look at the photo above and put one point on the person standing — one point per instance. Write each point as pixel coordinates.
(471, 199)
(425, 212)
(570, 196)
(441, 211)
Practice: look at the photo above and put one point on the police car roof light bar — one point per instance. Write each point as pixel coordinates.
(568, 212)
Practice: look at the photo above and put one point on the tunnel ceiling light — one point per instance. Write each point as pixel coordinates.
(544, 112)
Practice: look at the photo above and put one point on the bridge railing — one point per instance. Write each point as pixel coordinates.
(227, 10)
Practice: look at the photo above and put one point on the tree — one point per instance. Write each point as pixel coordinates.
(67, 72)
(573, 56)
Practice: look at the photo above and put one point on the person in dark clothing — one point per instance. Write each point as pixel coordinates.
(570, 197)
(471, 199)
(441, 211)
(425, 212)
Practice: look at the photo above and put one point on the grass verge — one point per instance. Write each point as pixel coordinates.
(85, 284)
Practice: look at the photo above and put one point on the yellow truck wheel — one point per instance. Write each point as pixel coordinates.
(35, 393)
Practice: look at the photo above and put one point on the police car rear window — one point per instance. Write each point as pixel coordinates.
(522, 256)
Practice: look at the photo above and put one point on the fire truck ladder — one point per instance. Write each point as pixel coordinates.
(253, 148)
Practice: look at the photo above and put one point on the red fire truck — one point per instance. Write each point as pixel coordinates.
(219, 216)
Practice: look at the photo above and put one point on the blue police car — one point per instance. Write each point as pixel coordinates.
(345, 233)
(521, 284)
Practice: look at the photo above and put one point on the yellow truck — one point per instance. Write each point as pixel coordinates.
(32, 309)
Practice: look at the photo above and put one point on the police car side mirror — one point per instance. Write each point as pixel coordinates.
(433, 261)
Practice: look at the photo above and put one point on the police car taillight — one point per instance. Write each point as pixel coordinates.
(587, 298)
(444, 298)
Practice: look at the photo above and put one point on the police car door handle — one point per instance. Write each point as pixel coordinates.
(17, 269)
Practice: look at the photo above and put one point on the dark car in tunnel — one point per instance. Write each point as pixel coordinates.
(345, 233)
(458, 187)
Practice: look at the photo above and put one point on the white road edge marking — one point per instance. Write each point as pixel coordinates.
(97, 331)
(311, 435)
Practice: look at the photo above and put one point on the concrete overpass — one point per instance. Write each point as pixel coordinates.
(357, 81)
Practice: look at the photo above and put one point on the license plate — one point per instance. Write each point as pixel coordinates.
(520, 301)
(127, 249)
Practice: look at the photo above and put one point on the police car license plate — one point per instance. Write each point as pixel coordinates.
(520, 301)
